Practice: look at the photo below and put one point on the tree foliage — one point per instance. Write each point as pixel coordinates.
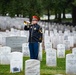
(32, 7)
(36, 7)
(47, 6)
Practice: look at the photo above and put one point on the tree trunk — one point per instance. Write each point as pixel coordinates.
(74, 14)
(59, 17)
(56, 14)
(64, 13)
(48, 13)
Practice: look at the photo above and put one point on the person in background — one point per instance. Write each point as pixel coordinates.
(35, 36)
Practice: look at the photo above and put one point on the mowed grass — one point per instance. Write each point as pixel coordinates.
(44, 69)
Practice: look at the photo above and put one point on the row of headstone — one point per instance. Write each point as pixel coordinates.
(32, 66)
(57, 26)
(16, 64)
(50, 55)
(26, 53)
(13, 34)
(15, 59)
(5, 53)
(60, 38)
(8, 22)
(54, 41)
(54, 33)
(53, 54)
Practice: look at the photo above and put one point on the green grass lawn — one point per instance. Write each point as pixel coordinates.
(44, 70)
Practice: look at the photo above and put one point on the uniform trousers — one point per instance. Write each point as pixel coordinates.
(34, 50)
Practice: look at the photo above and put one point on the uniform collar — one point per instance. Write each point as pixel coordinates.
(35, 24)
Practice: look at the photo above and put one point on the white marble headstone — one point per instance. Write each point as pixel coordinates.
(15, 42)
(0, 54)
(55, 31)
(55, 41)
(60, 50)
(5, 55)
(45, 39)
(71, 40)
(25, 49)
(48, 45)
(16, 62)
(67, 44)
(75, 38)
(1, 38)
(51, 36)
(40, 52)
(32, 67)
(23, 33)
(12, 29)
(60, 32)
(51, 57)
(71, 64)
(60, 39)
(74, 50)
(46, 32)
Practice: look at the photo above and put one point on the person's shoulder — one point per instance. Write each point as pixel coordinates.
(39, 26)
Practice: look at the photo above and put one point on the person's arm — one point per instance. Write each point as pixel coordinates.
(26, 27)
(41, 34)
(40, 29)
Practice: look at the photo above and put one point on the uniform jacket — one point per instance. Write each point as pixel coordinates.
(35, 33)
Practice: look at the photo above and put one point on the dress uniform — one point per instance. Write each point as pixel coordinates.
(35, 37)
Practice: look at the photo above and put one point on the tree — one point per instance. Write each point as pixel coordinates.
(4, 7)
(16, 7)
(47, 6)
(74, 12)
(57, 9)
(60, 7)
(32, 7)
(12, 8)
